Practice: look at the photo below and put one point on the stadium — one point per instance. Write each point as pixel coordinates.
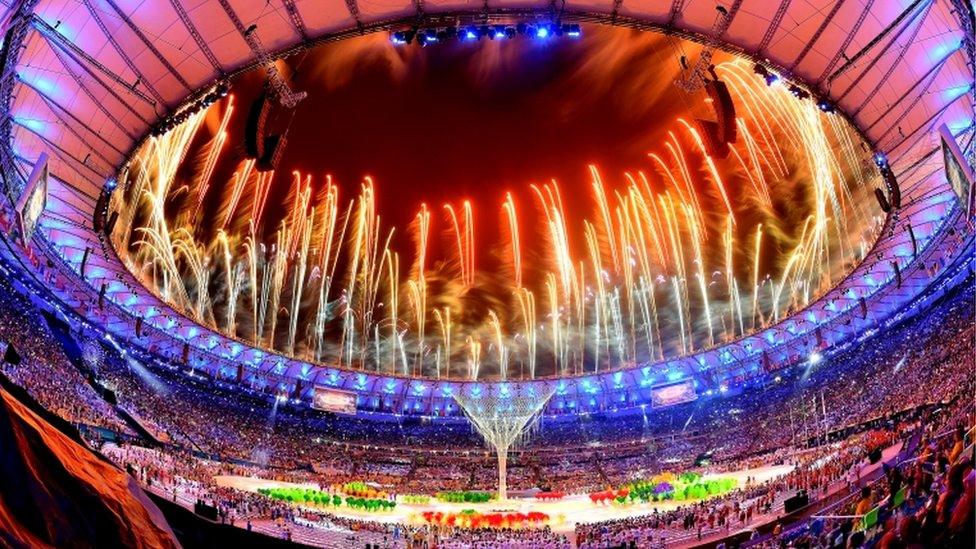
(429, 273)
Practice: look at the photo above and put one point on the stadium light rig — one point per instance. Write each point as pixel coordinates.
(219, 91)
(799, 92)
(475, 33)
(881, 160)
(826, 106)
(770, 77)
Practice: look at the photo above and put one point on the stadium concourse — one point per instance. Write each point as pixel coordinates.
(283, 272)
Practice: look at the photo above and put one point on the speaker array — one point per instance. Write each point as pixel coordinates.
(717, 135)
(266, 149)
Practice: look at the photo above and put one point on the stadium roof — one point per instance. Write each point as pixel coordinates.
(85, 80)
(95, 74)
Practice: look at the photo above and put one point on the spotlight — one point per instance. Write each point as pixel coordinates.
(798, 92)
(498, 33)
(761, 70)
(815, 358)
(468, 33)
(543, 31)
(826, 106)
(399, 38)
(572, 31)
(880, 159)
(428, 37)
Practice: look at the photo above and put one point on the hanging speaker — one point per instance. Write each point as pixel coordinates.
(5, 53)
(186, 353)
(724, 109)
(715, 146)
(893, 188)
(101, 205)
(911, 235)
(139, 327)
(101, 295)
(274, 148)
(882, 201)
(897, 273)
(84, 261)
(240, 373)
(864, 308)
(254, 128)
(110, 226)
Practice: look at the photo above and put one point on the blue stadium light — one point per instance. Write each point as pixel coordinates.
(769, 77)
(798, 92)
(543, 31)
(815, 358)
(404, 37)
(498, 33)
(572, 31)
(880, 159)
(429, 37)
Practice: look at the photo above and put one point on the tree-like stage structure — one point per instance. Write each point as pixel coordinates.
(505, 421)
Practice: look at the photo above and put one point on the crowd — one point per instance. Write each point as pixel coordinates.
(501, 539)
(821, 418)
(925, 500)
(44, 369)
(815, 472)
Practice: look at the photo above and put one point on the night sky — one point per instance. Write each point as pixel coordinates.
(470, 121)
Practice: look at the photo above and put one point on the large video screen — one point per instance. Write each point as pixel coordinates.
(33, 200)
(334, 400)
(676, 393)
(958, 172)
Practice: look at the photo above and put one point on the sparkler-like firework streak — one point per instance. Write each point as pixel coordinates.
(666, 264)
(464, 234)
(513, 231)
(213, 152)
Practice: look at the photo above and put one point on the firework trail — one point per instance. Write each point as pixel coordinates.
(666, 263)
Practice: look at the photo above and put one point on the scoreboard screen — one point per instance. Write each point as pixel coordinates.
(676, 393)
(32, 202)
(958, 172)
(334, 400)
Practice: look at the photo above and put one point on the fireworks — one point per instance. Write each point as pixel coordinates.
(665, 265)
